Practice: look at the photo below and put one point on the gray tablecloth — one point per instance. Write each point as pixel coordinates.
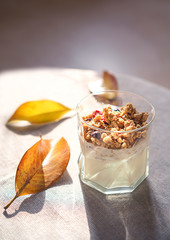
(70, 209)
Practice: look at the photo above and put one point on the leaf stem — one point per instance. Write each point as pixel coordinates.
(10, 202)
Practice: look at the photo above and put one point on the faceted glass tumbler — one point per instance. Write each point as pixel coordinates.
(113, 171)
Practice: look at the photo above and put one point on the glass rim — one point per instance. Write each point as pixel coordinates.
(117, 91)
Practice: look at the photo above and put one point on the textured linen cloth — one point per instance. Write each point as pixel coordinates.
(70, 209)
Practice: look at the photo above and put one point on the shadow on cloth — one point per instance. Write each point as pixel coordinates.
(123, 217)
(37, 130)
(34, 203)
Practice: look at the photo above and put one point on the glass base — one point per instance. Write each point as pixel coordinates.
(110, 190)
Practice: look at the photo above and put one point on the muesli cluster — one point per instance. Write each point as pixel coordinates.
(126, 118)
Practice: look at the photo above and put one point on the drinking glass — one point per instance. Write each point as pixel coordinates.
(114, 170)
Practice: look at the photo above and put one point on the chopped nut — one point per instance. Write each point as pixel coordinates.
(120, 140)
(114, 135)
(130, 128)
(124, 145)
(103, 135)
(88, 136)
(107, 139)
(121, 122)
(97, 118)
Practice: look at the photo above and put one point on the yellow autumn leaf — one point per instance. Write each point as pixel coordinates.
(37, 113)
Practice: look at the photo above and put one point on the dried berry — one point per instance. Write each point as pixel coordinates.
(88, 119)
(116, 110)
(96, 112)
(96, 134)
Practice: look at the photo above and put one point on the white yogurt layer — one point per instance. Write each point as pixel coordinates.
(112, 168)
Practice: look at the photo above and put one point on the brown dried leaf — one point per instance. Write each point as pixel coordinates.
(108, 82)
(41, 166)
